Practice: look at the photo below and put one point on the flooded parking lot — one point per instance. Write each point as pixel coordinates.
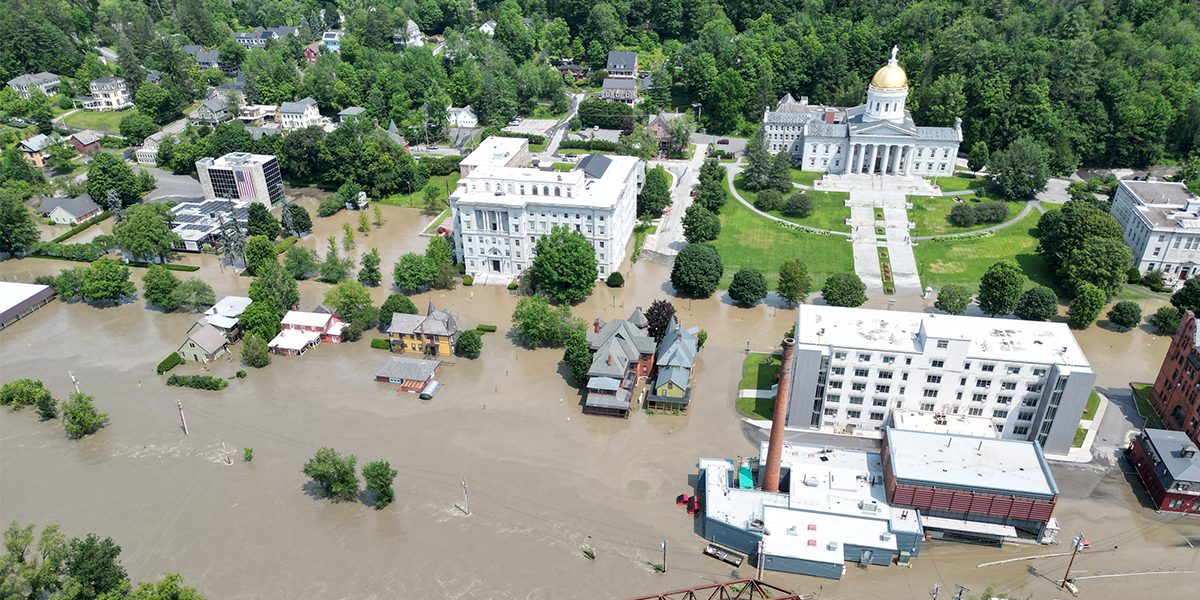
(542, 478)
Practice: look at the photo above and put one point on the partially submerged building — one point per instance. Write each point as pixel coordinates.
(304, 330)
(672, 390)
(1169, 466)
(204, 343)
(198, 224)
(622, 355)
(18, 300)
(432, 334)
(411, 374)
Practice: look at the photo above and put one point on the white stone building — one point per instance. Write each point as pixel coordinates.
(500, 212)
(852, 367)
(241, 176)
(108, 93)
(298, 115)
(876, 138)
(1162, 226)
(409, 36)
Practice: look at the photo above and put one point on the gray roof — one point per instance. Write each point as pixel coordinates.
(1159, 192)
(412, 369)
(209, 338)
(619, 84)
(108, 80)
(436, 322)
(297, 107)
(351, 111)
(941, 134)
(37, 142)
(154, 75)
(259, 132)
(676, 375)
(34, 79)
(208, 56)
(594, 165)
(623, 330)
(604, 383)
(77, 207)
(621, 61)
(214, 104)
(192, 49)
(822, 129)
(638, 319)
(86, 137)
(617, 345)
(1169, 446)
(619, 401)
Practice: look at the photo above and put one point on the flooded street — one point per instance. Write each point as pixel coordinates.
(542, 478)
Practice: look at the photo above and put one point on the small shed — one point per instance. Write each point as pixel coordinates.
(411, 374)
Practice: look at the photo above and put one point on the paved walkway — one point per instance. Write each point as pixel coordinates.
(863, 204)
(667, 240)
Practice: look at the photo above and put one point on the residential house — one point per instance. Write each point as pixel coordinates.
(212, 112)
(70, 211)
(34, 149)
(332, 40)
(622, 355)
(258, 38)
(224, 316)
(462, 117)
(27, 84)
(304, 330)
(232, 93)
(298, 115)
(393, 134)
(154, 76)
(676, 360)
(311, 52)
(622, 65)
(208, 59)
(620, 90)
(259, 115)
(203, 344)
(85, 141)
(576, 72)
(489, 28)
(659, 127)
(108, 93)
(409, 36)
(433, 334)
(350, 111)
(1168, 465)
(148, 153)
(411, 374)
(191, 49)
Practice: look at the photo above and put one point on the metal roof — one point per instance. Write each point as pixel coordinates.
(1169, 445)
(412, 369)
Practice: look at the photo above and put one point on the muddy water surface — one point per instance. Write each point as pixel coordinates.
(542, 479)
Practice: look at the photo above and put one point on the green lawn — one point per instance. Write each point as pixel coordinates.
(1141, 396)
(1093, 403)
(436, 222)
(639, 235)
(750, 240)
(962, 181)
(762, 409)
(417, 198)
(1080, 434)
(805, 177)
(101, 121)
(757, 373)
(563, 167)
(829, 208)
(931, 213)
(964, 261)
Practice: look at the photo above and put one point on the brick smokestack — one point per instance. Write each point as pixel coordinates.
(775, 446)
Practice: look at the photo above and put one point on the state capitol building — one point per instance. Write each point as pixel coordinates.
(876, 138)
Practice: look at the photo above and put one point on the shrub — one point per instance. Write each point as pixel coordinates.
(769, 200)
(512, 285)
(469, 343)
(1133, 275)
(701, 338)
(962, 215)
(798, 205)
(493, 131)
(287, 242)
(594, 145)
(615, 280)
(1165, 320)
(248, 454)
(468, 281)
(82, 226)
(381, 344)
(170, 362)
(991, 212)
(241, 374)
(199, 382)
(486, 328)
(331, 206)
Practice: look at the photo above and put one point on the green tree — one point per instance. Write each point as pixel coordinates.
(798, 205)
(348, 299)
(413, 272)
(1165, 320)
(364, 223)
(1020, 169)
(22, 392)
(656, 193)
(469, 343)
(254, 351)
(1102, 262)
(748, 286)
(259, 251)
(757, 173)
(137, 126)
(261, 222)
(334, 268)
(780, 177)
(711, 193)
(107, 280)
(578, 357)
(537, 324)
(1085, 306)
(658, 317)
(107, 172)
(261, 319)
(1125, 314)
(1062, 232)
(92, 563)
(273, 285)
(1188, 296)
(564, 265)
(301, 263)
(146, 232)
(79, 416)
(333, 473)
(301, 220)
(17, 229)
(432, 193)
(193, 295)
(794, 282)
(397, 303)
(699, 225)
(1037, 304)
(953, 299)
(440, 251)
(378, 476)
(1000, 288)
(369, 274)
(170, 587)
(158, 288)
(156, 102)
(977, 160)
(844, 289)
(697, 270)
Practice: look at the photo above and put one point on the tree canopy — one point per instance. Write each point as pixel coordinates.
(564, 265)
(697, 270)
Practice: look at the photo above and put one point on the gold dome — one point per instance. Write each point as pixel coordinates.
(891, 77)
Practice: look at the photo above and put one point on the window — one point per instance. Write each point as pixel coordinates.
(931, 393)
(1025, 415)
(933, 379)
(1000, 414)
(839, 355)
(979, 397)
(943, 344)
(1175, 504)
(975, 412)
(1009, 385)
(833, 399)
(882, 389)
(835, 384)
(967, 366)
(853, 414)
(962, 381)
(858, 386)
(1031, 401)
(987, 368)
(885, 374)
(927, 406)
(887, 360)
(838, 370)
(908, 360)
(1034, 387)
(1039, 372)
(999, 427)
(937, 364)
(876, 416)
(1014, 370)
(1022, 430)
(983, 383)
(904, 376)
(856, 399)
(879, 402)
(831, 412)
(862, 372)
(864, 357)
(1003, 399)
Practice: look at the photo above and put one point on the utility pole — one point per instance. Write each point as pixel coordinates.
(760, 560)
(466, 505)
(961, 589)
(74, 381)
(1075, 550)
(664, 563)
(182, 420)
(937, 587)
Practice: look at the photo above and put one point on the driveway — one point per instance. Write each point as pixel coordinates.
(172, 186)
(556, 135)
(668, 240)
(735, 145)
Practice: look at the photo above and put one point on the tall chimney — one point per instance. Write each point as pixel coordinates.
(775, 446)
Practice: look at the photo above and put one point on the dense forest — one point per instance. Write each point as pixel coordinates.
(1095, 82)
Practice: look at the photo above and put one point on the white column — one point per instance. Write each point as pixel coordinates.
(870, 156)
(887, 159)
(854, 159)
(908, 160)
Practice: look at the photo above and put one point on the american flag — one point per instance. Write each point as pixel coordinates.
(245, 185)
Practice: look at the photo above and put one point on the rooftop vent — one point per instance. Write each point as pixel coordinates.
(812, 526)
(1188, 451)
(812, 542)
(869, 506)
(792, 530)
(832, 546)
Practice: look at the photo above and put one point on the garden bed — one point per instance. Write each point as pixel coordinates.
(885, 272)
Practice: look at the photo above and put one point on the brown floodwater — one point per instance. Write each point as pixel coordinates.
(543, 479)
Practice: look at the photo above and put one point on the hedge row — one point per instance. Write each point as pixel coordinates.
(200, 382)
(381, 344)
(441, 166)
(170, 362)
(287, 242)
(598, 145)
(169, 267)
(76, 252)
(492, 131)
(486, 328)
(80, 227)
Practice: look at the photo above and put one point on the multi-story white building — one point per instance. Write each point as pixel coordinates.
(500, 212)
(26, 84)
(298, 115)
(1162, 226)
(496, 151)
(108, 93)
(876, 138)
(852, 367)
(241, 176)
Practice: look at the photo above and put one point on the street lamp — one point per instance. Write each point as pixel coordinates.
(699, 106)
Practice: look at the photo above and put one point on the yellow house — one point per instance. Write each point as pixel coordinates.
(432, 335)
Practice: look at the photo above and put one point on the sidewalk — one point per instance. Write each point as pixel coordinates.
(1083, 454)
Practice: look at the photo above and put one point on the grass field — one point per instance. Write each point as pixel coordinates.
(417, 198)
(930, 213)
(1141, 396)
(805, 177)
(750, 240)
(829, 208)
(639, 235)
(964, 261)
(1089, 411)
(563, 167)
(433, 225)
(757, 374)
(1080, 434)
(101, 121)
(962, 181)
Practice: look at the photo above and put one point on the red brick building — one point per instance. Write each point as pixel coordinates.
(1178, 384)
(1169, 467)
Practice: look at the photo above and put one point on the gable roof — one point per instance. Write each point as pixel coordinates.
(192, 49)
(594, 165)
(230, 306)
(86, 137)
(36, 143)
(412, 369)
(351, 111)
(435, 322)
(676, 375)
(621, 61)
(209, 338)
(306, 319)
(208, 56)
(215, 104)
(79, 206)
(619, 84)
(297, 107)
(638, 319)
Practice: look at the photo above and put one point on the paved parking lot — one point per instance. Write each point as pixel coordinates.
(533, 126)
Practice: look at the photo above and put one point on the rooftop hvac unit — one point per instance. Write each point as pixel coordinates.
(812, 526)
(832, 546)
(869, 506)
(792, 530)
(811, 481)
(886, 536)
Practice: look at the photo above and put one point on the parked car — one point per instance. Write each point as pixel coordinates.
(693, 191)
(441, 230)
(723, 141)
(433, 147)
(595, 128)
(571, 155)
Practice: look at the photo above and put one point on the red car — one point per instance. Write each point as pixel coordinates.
(693, 191)
(441, 230)
(723, 141)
